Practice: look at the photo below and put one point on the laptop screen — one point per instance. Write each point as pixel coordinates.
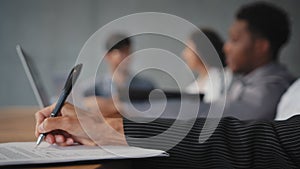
(34, 78)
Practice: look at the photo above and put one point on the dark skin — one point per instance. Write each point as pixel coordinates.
(244, 50)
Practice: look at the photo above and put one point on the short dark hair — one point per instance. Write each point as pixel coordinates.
(214, 38)
(267, 21)
(117, 41)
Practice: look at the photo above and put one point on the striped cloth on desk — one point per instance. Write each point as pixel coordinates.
(234, 144)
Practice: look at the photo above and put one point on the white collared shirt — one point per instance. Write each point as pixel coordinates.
(289, 104)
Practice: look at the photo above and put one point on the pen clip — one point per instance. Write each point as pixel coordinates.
(73, 76)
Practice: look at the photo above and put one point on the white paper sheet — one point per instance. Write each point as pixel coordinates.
(16, 153)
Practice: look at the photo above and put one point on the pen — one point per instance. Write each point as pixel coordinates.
(63, 96)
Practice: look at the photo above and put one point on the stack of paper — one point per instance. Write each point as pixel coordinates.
(17, 153)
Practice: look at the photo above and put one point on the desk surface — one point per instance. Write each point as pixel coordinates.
(17, 124)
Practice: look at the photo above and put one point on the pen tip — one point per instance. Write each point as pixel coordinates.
(40, 139)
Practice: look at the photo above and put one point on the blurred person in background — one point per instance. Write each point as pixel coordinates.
(119, 47)
(207, 73)
(252, 51)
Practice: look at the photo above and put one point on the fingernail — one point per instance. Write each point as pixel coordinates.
(48, 140)
(69, 141)
(59, 139)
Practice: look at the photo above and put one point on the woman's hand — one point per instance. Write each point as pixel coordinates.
(77, 126)
(107, 106)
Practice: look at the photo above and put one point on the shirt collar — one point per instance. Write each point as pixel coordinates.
(258, 72)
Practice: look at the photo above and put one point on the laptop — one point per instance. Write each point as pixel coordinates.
(35, 81)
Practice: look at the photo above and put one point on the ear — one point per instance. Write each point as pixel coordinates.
(110, 55)
(262, 46)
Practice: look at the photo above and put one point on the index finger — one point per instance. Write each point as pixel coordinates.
(41, 115)
(44, 113)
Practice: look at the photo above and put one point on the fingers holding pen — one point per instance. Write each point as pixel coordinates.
(59, 139)
(66, 128)
(57, 129)
(54, 123)
(43, 115)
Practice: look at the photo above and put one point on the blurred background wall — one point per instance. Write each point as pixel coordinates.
(54, 31)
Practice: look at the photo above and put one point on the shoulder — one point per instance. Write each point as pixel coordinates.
(273, 73)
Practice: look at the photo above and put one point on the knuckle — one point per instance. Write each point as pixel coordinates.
(37, 115)
(67, 123)
(46, 124)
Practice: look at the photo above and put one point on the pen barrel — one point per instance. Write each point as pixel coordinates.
(61, 100)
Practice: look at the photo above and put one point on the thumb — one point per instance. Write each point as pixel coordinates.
(54, 123)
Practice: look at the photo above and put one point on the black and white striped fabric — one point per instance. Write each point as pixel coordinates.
(234, 144)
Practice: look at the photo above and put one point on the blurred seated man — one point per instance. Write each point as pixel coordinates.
(252, 53)
(119, 48)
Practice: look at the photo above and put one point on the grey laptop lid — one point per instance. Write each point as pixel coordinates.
(34, 78)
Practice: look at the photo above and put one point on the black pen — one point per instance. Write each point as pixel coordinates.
(63, 96)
